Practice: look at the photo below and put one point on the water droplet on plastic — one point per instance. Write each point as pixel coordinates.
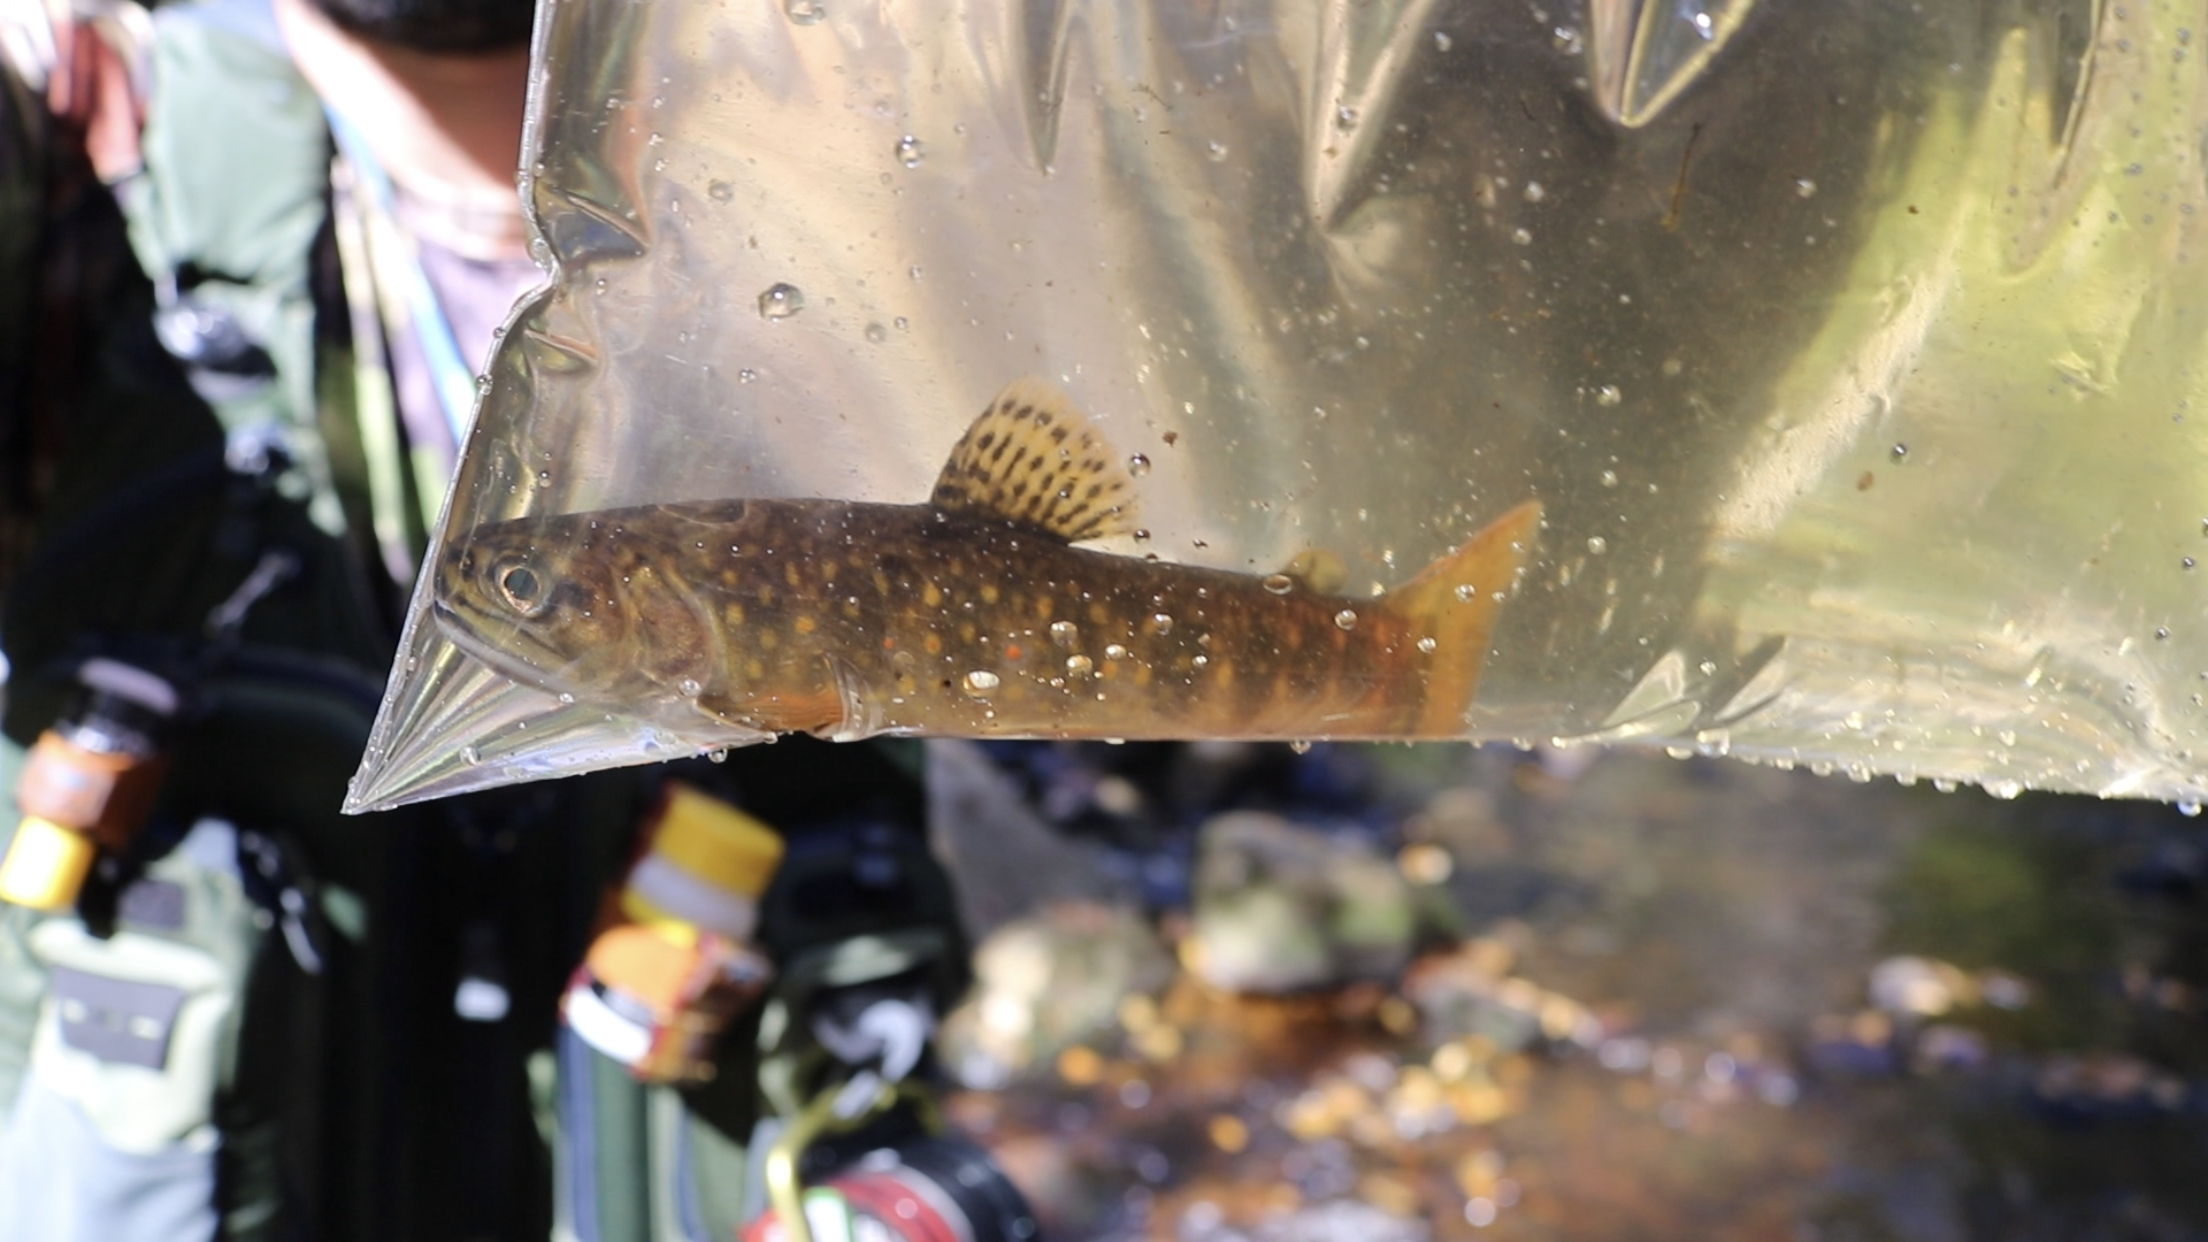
(720, 191)
(1609, 478)
(689, 688)
(1345, 117)
(1900, 451)
(1943, 784)
(804, 12)
(1534, 193)
(1346, 619)
(1523, 237)
(470, 755)
(1218, 152)
(1161, 623)
(1466, 592)
(1079, 665)
(1804, 187)
(482, 384)
(909, 151)
(1597, 544)
(2004, 790)
(1142, 536)
(900, 323)
(2185, 562)
(1300, 746)
(1113, 651)
(566, 699)
(745, 375)
(2161, 633)
(1608, 395)
(876, 333)
(1138, 465)
(781, 300)
(1279, 584)
(1427, 645)
(543, 477)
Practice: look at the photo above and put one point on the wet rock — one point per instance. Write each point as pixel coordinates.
(1048, 982)
(1281, 907)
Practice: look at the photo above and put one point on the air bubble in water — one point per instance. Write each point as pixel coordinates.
(781, 300)
(1609, 478)
(1597, 544)
(1278, 584)
(1608, 395)
(470, 755)
(1523, 237)
(1079, 666)
(1065, 633)
(909, 151)
(804, 12)
(1346, 619)
(2188, 807)
(1427, 644)
(1161, 623)
(1138, 465)
(720, 191)
(689, 688)
(718, 754)
(745, 375)
(1442, 41)
(1300, 746)
(981, 682)
(1345, 117)
(1217, 151)
(1113, 651)
(876, 333)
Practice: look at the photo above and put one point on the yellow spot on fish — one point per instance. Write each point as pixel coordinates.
(755, 670)
(1043, 607)
(734, 613)
(768, 640)
(988, 592)
(933, 645)
(1142, 673)
(789, 573)
(966, 631)
(881, 583)
(1098, 614)
(806, 625)
(931, 595)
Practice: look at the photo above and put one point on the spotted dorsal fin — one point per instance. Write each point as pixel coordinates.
(1032, 458)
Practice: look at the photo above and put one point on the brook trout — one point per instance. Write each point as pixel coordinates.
(973, 614)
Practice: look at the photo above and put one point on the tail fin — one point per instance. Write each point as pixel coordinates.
(1454, 601)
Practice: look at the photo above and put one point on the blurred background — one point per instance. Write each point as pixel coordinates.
(1388, 992)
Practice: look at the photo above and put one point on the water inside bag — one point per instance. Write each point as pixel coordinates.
(1827, 383)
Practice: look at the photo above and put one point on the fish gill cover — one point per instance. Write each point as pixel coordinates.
(1806, 386)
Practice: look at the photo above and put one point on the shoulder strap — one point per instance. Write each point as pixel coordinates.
(223, 215)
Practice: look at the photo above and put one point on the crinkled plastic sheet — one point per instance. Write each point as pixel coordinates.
(1854, 357)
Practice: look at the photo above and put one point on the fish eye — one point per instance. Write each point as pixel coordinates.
(523, 590)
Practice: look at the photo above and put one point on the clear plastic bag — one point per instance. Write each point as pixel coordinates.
(1849, 359)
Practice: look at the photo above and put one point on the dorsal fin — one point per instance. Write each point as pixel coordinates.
(1032, 458)
(1320, 571)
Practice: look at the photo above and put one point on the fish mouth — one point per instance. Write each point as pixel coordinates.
(465, 631)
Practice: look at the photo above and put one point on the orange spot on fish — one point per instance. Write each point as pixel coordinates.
(1012, 651)
(934, 645)
(806, 625)
(889, 644)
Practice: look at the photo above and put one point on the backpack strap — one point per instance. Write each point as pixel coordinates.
(223, 215)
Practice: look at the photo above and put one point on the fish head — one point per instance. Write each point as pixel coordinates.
(585, 604)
